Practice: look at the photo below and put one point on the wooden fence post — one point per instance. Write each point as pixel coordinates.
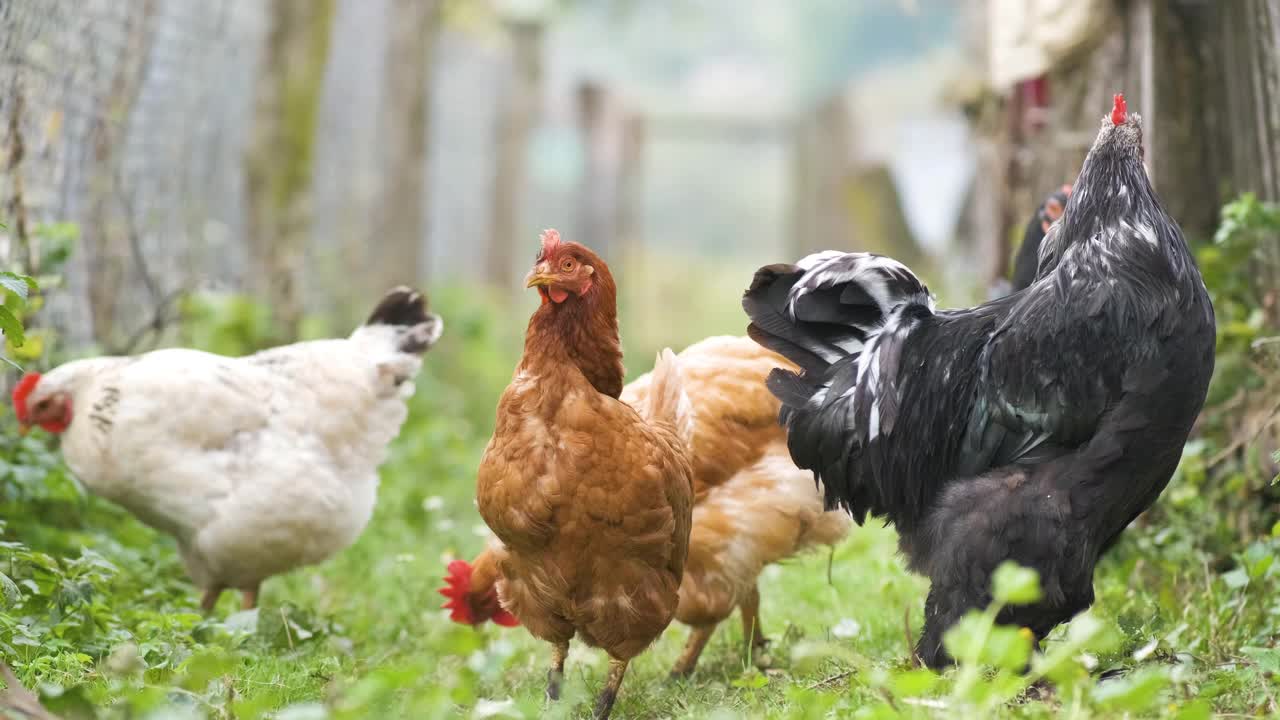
(520, 107)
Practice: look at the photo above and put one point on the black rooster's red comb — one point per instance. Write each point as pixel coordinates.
(1118, 110)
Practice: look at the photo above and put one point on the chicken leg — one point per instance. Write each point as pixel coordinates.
(751, 632)
(604, 704)
(209, 600)
(249, 598)
(556, 674)
(692, 651)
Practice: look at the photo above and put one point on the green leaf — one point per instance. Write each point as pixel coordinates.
(964, 639)
(1236, 579)
(11, 327)
(1008, 648)
(19, 285)
(1258, 559)
(1135, 693)
(1015, 585)
(1194, 710)
(9, 590)
(201, 669)
(70, 704)
(913, 683)
(1268, 659)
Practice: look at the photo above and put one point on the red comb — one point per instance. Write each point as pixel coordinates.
(1119, 110)
(550, 240)
(20, 393)
(464, 606)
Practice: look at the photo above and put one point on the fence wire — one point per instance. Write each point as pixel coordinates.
(131, 121)
(126, 119)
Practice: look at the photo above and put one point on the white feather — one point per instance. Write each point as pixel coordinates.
(256, 465)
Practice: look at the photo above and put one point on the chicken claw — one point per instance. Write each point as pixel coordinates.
(556, 674)
(604, 705)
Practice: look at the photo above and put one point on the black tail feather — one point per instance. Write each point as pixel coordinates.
(823, 314)
(808, 361)
(400, 306)
(406, 309)
(765, 303)
(789, 388)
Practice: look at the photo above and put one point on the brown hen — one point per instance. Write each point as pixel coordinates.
(591, 501)
(752, 506)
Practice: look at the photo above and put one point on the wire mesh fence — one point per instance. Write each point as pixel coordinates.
(125, 119)
(131, 121)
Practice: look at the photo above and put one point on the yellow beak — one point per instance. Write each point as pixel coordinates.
(23, 429)
(539, 275)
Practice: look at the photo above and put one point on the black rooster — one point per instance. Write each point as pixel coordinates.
(1032, 428)
(1028, 257)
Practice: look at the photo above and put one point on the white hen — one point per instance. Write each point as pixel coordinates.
(256, 465)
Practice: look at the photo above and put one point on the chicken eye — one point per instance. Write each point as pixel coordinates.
(567, 265)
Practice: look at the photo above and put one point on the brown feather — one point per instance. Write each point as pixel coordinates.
(592, 502)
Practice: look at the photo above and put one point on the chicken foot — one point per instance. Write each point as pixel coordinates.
(556, 674)
(604, 705)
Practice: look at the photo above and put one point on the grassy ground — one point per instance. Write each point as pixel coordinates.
(97, 612)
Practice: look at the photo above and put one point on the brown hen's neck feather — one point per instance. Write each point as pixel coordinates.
(582, 332)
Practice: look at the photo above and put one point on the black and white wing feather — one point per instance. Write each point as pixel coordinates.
(842, 317)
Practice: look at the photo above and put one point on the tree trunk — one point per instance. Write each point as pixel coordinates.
(520, 108)
(401, 206)
(278, 168)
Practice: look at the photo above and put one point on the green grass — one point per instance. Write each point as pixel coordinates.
(103, 621)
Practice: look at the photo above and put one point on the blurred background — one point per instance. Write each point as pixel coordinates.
(235, 174)
(307, 154)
